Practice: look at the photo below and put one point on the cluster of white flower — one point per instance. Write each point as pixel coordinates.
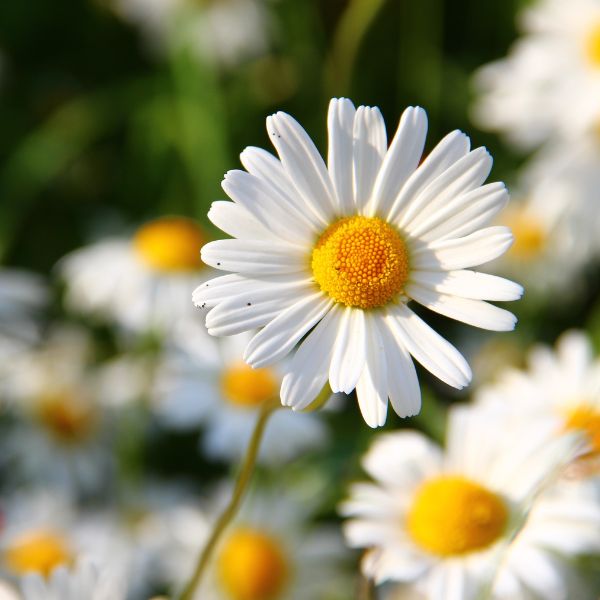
(223, 32)
(545, 95)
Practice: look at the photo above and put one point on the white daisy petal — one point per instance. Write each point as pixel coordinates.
(236, 315)
(403, 385)
(381, 565)
(575, 352)
(371, 389)
(211, 292)
(236, 221)
(369, 498)
(364, 533)
(268, 206)
(303, 164)
(308, 370)
(449, 581)
(430, 349)
(469, 251)
(450, 150)
(539, 569)
(219, 289)
(349, 353)
(468, 284)
(80, 581)
(464, 175)
(401, 159)
(253, 257)
(463, 214)
(340, 124)
(402, 459)
(369, 148)
(265, 166)
(474, 312)
(280, 336)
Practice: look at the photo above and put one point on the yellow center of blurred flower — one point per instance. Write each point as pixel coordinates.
(252, 566)
(38, 552)
(529, 234)
(360, 262)
(66, 417)
(453, 516)
(170, 244)
(592, 45)
(585, 418)
(247, 387)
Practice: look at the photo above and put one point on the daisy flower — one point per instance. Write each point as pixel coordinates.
(223, 32)
(84, 582)
(224, 394)
(442, 520)
(549, 85)
(563, 384)
(548, 254)
(42, 531)
(60, 428)
(563, 524)
(269, 553)
(335, 253)
(143, 282)
(556, 225)
(553, 241)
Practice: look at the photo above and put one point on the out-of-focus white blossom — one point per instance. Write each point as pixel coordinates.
(270, 551)
(225, 394)
(143, 282)
(84, 582)
(549, 84)
(442, 520)
(224, 32)
(59, 435)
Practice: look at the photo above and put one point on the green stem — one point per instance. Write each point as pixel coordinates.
(351, 30)
(232, 508)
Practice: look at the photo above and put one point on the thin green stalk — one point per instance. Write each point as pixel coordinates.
(351, 30)
(232, 508)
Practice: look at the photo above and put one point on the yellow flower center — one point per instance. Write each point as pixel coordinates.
(529, 235)
(592, 45)
(170, 244)
(66, 417)
(247, 387)
(453, 516)
(252, 566)
(38, 552)
(360, 262)
(585, 418)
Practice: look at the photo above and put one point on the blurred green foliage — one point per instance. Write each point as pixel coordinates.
(98, 130)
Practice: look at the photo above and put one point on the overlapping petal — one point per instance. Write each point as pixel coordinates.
(439, 208)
